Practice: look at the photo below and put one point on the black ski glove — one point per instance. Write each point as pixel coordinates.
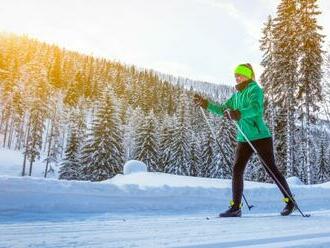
(233, 114)
(200, 101)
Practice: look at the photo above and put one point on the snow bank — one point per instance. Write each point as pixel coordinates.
(133, 166)
(158, 179)
(146, 192)
(294, 181)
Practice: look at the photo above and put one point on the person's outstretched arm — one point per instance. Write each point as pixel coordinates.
(219, 109)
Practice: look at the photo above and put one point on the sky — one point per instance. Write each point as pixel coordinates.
(199, 39)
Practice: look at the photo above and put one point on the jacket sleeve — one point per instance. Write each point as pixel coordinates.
(255, 106)
(219, 109)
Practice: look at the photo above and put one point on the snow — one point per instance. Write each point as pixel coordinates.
(136, 230)
(147, 209)
(133, 166)
(11, 165)
(145, 191)
(294, 181)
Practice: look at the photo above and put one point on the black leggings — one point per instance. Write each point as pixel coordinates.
(243, 153)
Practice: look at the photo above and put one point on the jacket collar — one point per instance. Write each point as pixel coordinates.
(243, 85)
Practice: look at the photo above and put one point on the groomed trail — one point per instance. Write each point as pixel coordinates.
(156, 210)
(193, 230)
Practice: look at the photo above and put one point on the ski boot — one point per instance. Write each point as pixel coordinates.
(289, 207)
(232, 211)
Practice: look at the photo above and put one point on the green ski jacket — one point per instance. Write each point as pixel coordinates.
(249, 102)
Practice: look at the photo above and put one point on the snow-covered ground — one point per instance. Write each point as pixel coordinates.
(11, 165)
(158, 230)
(144, 192)
(155, 210)
(144, 209)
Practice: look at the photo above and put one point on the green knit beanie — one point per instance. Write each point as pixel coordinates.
(245, 71)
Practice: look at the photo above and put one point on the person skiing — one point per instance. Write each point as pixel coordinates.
(246, 107)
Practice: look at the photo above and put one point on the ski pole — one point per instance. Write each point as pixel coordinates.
(266, 166)
(247, 204)
(220, 148)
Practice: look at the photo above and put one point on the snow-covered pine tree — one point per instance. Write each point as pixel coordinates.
(196, 159)
(71, 167)
(72, 94)
(198, 130)
(166, 98)
(55, 72)
(323, 162)
(103, 153)
(208, 154)
(225, 157)
(326, 80)
(310, 71)
(37, 77)
(119, 84)
(17, 118)
(284, 86)
(267, 76)
(166, 137)
(16, 114)
(53, 144)
(255, 171)
(180, 160)
(326, 84)
(8, 84)
(146, 142)
(135, 118)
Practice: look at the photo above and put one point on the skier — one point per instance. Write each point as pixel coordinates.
(246, 107)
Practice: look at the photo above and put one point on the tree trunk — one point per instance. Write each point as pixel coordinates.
(49, 148)
(30, 170)
(308, 137)
(62, 145)
(290, 134)
(25, 153)
(2, 118)
(47, 133)
(19, 137)
(5, 134)
(11, 131)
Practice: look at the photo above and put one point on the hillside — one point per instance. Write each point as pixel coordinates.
(56, 106)
(52, 101)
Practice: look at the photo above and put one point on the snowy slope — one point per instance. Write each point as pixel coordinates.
(156, 210)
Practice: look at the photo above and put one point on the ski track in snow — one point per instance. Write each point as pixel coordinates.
(189, 230)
